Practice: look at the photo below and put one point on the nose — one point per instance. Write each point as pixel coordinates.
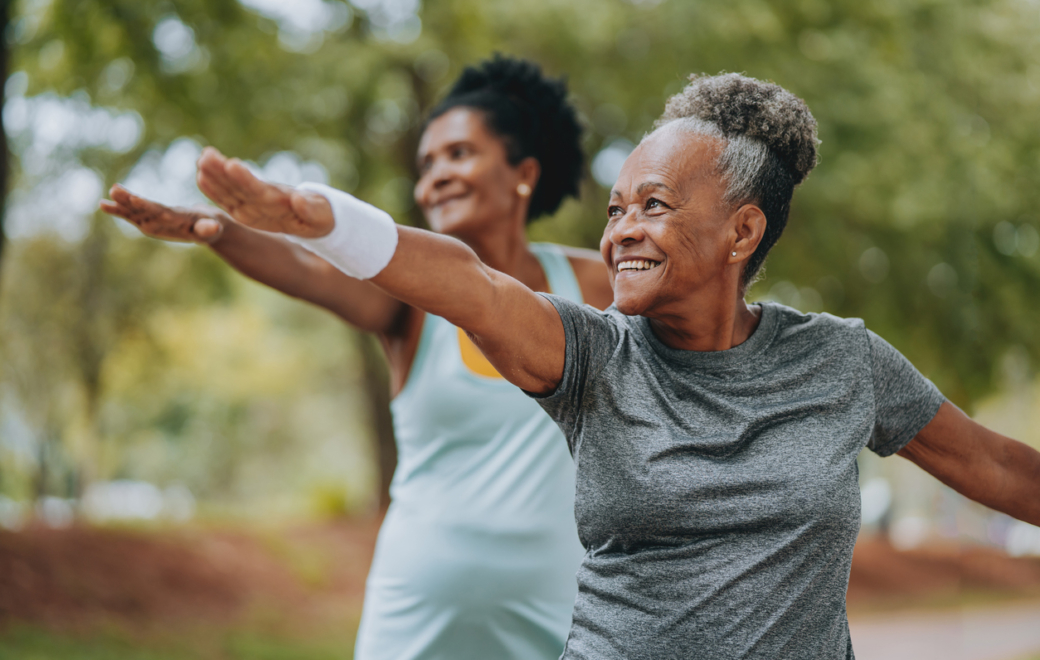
(626, 230)
(436, 176)
(440, 173)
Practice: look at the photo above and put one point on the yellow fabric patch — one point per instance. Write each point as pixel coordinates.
(474, 359)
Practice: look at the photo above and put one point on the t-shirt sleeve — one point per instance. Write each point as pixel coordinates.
(592, 337)
(904, 400)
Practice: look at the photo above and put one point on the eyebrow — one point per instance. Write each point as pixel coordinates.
(643, 187)
(420, 158)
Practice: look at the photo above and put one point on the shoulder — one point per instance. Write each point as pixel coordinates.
(818, 328)
(584, 321)
(819, 346)
(593, 337)
(592, 276)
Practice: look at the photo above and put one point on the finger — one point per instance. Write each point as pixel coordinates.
(312, 208)
(118, 193)
(124, 208)
(248, 185)
(143, 205)
(120, 211)
(134, 202)
(207, 230)
(211, 157)
(209, 211)
(211, 175)
(212, 186)
(116, 209)
(214, 212)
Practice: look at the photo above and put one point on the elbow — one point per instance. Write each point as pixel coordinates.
(478, 312)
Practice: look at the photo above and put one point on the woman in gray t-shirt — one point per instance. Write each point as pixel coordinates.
(715, 441)
(717, 492)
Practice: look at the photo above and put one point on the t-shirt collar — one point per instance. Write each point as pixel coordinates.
(730, 358)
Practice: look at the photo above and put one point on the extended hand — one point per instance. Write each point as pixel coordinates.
(177, 223)
(261, 205)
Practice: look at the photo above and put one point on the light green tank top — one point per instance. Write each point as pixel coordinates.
(478, 552)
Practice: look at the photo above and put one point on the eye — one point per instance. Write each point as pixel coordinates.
(460, 152)
(614, 211)
(654, 203)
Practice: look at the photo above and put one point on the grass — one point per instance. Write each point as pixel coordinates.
(114, 642)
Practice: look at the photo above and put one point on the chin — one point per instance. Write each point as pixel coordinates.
(629, 305)
(446, 223)
(455, 221)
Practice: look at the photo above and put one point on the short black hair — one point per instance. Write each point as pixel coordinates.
(531, 114)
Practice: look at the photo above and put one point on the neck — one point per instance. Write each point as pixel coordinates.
(507, 252)
(707, 323)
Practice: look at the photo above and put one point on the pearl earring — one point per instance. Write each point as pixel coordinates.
(734, 253)
(523, 190)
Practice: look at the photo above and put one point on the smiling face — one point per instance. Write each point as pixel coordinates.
(466, 183)
(669, 234)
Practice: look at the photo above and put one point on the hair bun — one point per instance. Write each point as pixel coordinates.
(739, 105)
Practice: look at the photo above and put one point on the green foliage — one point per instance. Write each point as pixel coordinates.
(919, 218)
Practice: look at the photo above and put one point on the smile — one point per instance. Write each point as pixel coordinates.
(637, 264)
(449, 200)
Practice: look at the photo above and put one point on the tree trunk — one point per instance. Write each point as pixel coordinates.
(376, 386)
(5, 18)
(93, 339)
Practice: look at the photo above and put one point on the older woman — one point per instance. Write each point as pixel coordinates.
(715, 440)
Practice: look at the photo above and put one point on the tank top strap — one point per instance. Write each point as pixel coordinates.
(558, 271)
(439, 341)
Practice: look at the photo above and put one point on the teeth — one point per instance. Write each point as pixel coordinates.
(637, 264)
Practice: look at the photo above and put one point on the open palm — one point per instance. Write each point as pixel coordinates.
(259, 204)
(172, 223)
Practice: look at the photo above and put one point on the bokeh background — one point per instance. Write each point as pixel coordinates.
(155, 404)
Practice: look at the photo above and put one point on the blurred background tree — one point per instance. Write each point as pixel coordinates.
(126, 357)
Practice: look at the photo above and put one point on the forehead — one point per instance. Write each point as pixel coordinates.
(671, 156)
(459, 124)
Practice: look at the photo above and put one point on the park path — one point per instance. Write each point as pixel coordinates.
(996, 633)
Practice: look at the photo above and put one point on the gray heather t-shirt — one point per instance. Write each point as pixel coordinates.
(717, 493)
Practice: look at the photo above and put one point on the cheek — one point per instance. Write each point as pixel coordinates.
(478, 171)
(604, 249)
(608, 258)
(702, 253)
(494, 186)
(694, 245)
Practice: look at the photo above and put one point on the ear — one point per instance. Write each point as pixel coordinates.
(529, 171)
(749, 226)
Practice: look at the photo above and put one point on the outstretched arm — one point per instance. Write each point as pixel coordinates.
(992, 469)
(266, 258)
(519, 331)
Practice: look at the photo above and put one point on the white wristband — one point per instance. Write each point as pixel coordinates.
(363, 240)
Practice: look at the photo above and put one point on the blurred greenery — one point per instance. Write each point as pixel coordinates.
(124, 357)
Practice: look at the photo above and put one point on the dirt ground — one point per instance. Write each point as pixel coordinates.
(80, 575)
(74, 576)
(937, 575)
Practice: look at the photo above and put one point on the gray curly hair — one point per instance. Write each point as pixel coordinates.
(769, 147)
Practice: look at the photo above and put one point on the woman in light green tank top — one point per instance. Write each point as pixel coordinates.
(478, 551)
